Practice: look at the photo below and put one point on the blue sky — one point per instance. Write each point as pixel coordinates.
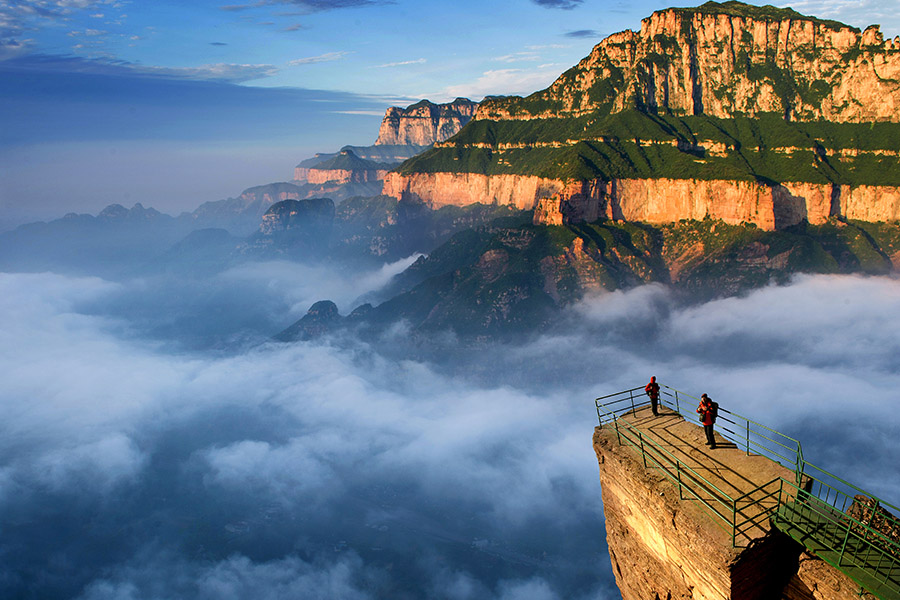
(175, 103)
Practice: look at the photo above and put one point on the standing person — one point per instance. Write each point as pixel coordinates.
(652, 390)
(708, 412)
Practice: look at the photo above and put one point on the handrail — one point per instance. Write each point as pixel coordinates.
(716, 502)
(646, 444)
(747, 434)
(846, 541)
(814, 490)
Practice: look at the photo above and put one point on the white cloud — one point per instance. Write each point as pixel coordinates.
(370, 113)
(504, 82)
(352, 459)
(311, 60)
(418, 61)
(234, 73)
(518, 57)
(236, 577)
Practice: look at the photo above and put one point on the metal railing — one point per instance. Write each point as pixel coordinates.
(747, 434)
(717, 503)
(867, 555)
(736, 516)
(851, 528)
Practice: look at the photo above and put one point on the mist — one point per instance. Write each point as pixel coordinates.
(157, 444)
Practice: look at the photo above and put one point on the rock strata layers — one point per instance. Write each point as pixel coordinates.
(744, 113)
(424, 123)
(768, 206)
(662, 546)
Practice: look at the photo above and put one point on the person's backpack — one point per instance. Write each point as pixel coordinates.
(715, 410)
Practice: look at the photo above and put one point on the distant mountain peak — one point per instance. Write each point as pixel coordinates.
(424, 123)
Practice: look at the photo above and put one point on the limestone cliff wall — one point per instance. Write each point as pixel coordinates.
(462, 189)
(663, 547)
(424, 123)
(652, 200)
(719, 64)
(319, 176)
(301, 174)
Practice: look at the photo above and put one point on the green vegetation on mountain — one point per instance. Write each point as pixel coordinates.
(634, 144)
(506, 278)
(767, 12)
(346, 160)
(694, 97)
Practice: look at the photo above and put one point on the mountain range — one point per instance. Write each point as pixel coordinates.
(717, 149)
(729, 111)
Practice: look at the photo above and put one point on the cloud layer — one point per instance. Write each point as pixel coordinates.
(130, 468)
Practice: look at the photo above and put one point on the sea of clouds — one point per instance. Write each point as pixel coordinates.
(155, 444)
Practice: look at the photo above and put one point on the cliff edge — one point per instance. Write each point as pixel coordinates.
(742, 113)
(671, 537)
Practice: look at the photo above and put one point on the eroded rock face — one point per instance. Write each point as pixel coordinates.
(728, 61)
(816, 580)
(664, 547)
(722, 63)
(768, 206)
(338, 176)
(424, 122)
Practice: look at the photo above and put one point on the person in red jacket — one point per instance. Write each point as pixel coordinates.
(652, 390)
(707, 412)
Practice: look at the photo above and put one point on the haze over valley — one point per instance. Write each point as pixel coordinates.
(325, 374)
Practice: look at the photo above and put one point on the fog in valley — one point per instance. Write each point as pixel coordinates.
(157, 444)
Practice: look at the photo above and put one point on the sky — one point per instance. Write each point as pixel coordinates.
(156, 444)
(172, 104)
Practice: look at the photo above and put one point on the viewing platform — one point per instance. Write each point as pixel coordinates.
(735, 521)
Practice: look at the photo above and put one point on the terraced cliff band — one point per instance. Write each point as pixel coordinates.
(729, 111)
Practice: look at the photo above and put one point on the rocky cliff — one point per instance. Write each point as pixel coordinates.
(344, 167)
(724, 60)
(664, 544)
(729, 111)
(662, 200)
(424, 123)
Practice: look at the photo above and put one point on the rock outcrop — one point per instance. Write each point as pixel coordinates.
(344, 167)
(730, 111)
(424, 123)
(724, 60)
(662, 546)
(767, 205)
(253, 202)
(303, 215)
(404, 133)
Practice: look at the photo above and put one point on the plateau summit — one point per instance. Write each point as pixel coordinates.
(728, 111)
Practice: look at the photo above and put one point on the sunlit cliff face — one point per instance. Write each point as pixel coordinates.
(133, 465)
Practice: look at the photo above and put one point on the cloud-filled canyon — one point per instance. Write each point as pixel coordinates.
(139, 462)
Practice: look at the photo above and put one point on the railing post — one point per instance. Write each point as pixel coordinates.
(677, 406)
(643, 456)
(631, 395)
(843, 547)
(733, 523)
(748, 438)
(618, 436)
(678, 470)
